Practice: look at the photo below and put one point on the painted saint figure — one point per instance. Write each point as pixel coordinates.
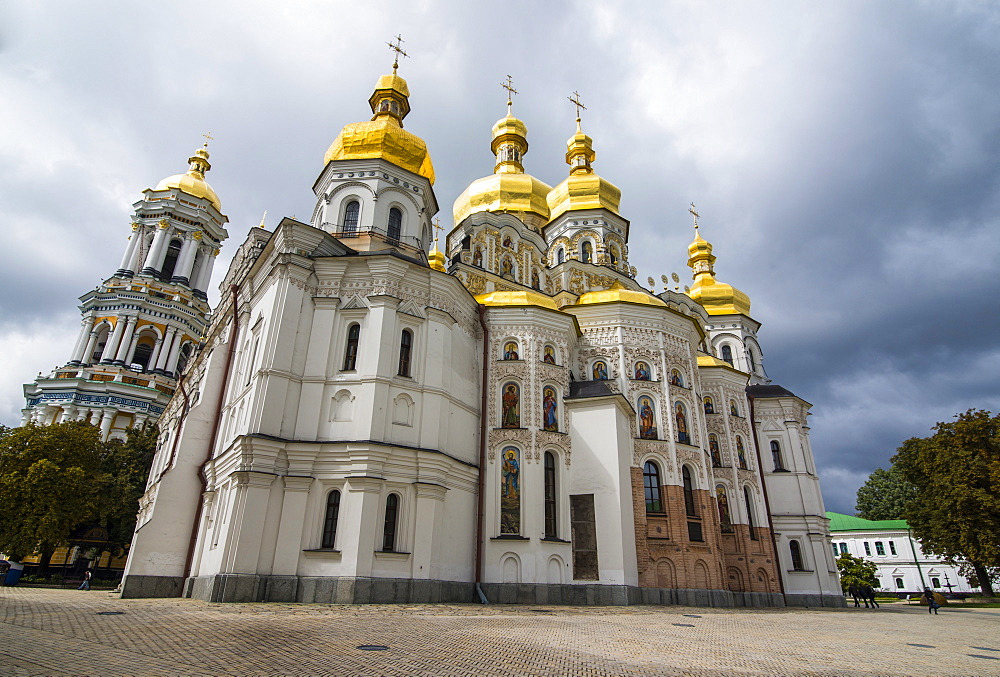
(549, 408)
(600, 371)
(510, 351)
(725, 519)
(675, 378)
(477, 258)
(740, 452)
(510, 492)
(647, 419)
(713, 450)
(507, 269)
(709, 406)
(511, 410)
(550, 355)
(535, 284)
(732, 408)
(682, 429)
(642, 371)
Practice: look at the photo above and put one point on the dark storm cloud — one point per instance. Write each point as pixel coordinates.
(844, 159)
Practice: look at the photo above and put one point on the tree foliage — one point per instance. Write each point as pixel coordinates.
(885, 495)
(59, 477)
(956, 472)
(856, 571)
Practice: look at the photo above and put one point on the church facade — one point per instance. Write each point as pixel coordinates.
(514, 418)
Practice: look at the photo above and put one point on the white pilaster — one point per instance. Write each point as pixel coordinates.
(106, 420)
(168, 338)
(133, 244)
(126, 340)
(182, 272)
(89, 350)
(81, 341)
(111, 347)
(155, 257)
(175, 351)
(155, 355)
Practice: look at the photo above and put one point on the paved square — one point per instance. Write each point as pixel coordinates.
(70, 632)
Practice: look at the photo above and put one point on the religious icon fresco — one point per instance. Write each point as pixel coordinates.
(725, 518)
(682, 428)
(709, 405)
(740, 452)
(713, 450)
(535, 284)
(647, 418)
(510, 406)
(510, 351)
(642, 372)
(507, 269)
(510, 492)
(600, 371)
(477, 258)
(676, 379)
(733, 410)
(550, 355)
(549, 410)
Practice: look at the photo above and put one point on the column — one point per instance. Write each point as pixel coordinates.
(81, 341)
(430, 509)
(205, 275)
(185, 261)
(126, 269)
(106, 420)
(69, 413)
(111, 347)
(126, 340)
(155, 355)
(82, 414)
(139, 419)
(161, 359)
(155, 257)
(89, 350)
(175, 351)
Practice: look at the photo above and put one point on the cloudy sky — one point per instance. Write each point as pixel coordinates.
(843, 156)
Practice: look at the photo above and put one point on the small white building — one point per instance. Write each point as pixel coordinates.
(903, 566)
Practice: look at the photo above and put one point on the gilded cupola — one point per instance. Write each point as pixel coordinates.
(193, 180)
(508, 189)
(383, 137)
(582, 189)
(715, 297)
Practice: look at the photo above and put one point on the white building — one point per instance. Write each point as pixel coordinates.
(516, 417)
(903, 566)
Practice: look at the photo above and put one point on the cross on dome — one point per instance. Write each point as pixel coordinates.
(509, 86)
(575, 100)
(437, 228)
(695, 214)
(398, 49)
(208, 137)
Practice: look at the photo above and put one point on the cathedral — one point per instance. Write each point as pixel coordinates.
(507, 416)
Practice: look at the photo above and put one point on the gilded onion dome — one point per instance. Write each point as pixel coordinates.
(193, 180)
(508, 189)
(582, 189)
(715, 297)
(619, 293)
(383, 136)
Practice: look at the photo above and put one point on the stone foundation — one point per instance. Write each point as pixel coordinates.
(135, 587)
(833, 601)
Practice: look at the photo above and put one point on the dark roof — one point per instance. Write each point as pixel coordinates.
(581, 389)
(761, 391)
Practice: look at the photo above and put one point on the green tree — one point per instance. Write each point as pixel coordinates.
(884, 495)
(50, 480)
(856, 571)
(956, 472)
(124, 469)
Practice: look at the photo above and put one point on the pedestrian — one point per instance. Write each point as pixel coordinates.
(85, 585)
(932, 604)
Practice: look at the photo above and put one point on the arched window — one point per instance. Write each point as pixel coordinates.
(330, 521)
(184, 356)
(351, 351)
(170, 260)
(587, 252)
(561, 256)
(141, 356)
(796, 552)
(351, 217)
(551, 525)
(752, 361)
(727, 354)
(395, 223)
(613, 255)
(102, 341)
(651, 487)
(389, 527)
(748, 501)
(899, 583)
(689, 507)
(776, 455)
(405, 344)
(935, 582)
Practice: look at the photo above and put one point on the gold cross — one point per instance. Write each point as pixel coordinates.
(398, 49)
(208, 137)
(695, 215)
(575, 100)
(509, 86)
(437, 227)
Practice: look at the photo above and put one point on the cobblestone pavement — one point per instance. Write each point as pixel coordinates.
(71, 632)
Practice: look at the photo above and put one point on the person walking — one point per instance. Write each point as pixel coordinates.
(85, 584)
(932, 604)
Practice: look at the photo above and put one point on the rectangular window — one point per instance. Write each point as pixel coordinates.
(892, 547)
(550, 495)
(694, 532)
(834, 549)
(843, 548)
(879, 549)
(868, 549)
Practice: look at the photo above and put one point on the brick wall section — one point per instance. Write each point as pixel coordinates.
(667, 558)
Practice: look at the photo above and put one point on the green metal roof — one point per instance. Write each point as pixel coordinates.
(841, 522)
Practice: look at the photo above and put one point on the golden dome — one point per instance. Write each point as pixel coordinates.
(582, 189)
(383, 136)
(508, 188)
(517, 298)
(717, 298)
(621, 294)
(436, 259)
(193, 181)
